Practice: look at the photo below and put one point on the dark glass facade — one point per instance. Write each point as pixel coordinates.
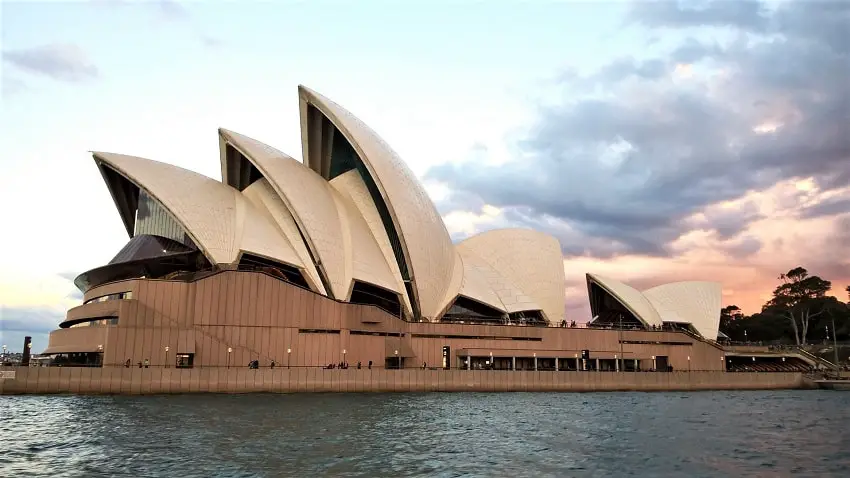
(116, 296)
(464, 309)
(153, 219)
(95, 322)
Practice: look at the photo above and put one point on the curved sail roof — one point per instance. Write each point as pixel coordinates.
(217, 217)
(632, 299)
(694, 302)
(426, 247)
(364, 260)
(263, 196)
(342, 240)
(531, 260)
(310, 200)
(351, 186)
(482, 283)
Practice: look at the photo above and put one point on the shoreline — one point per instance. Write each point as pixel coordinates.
(134, 381)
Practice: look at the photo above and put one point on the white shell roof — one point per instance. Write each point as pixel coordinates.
(364, 260)
(692, 302)
(351, 186)
(263, 196)
(532, 261)
(217, 217)
(631, 298)
(482, 283)
(310, 200)
(428, 248)
(343, 241)
(697, 303)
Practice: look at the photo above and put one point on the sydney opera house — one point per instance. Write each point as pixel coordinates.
(344, 259)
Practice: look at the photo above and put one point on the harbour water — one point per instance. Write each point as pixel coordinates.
(776, 433)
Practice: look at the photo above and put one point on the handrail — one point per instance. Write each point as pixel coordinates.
(814, 357)
(701, 339)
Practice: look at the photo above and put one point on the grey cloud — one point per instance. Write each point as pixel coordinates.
(746, 14)
(35, 320)
(743, 248)
(68, 275)
(830, 207)
(624, 170)
(58, 61)
(461, 200)
(728, 222)
(11, 86)
(172, 9)
(692, 51)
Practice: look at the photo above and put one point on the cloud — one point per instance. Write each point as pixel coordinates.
(744, 14)
(68, 275)
(11, 86)
(644, 146)
(828, 207)
(743, 248)
(62, 62)
(35, 320)
(172, 9)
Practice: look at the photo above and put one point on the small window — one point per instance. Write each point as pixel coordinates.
(185, 360)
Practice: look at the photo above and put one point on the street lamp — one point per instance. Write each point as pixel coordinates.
(535, 360)
(166, 356)
(491, 360)
(229, 351)
(834, 342)
(689, 363)
(399, 359)
(288, 355)
(577, 367)
(343, 356)
(616, 364)
(745, 335)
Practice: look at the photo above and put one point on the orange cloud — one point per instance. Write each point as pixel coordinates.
(779, 239)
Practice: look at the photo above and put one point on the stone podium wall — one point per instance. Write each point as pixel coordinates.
(134, 381)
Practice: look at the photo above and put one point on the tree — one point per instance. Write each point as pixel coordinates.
(799, 299)
(729, 316)
(848, 293)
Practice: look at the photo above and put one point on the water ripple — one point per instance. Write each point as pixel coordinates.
(445, 435)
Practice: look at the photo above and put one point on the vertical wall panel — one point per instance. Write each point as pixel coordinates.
(253, 297)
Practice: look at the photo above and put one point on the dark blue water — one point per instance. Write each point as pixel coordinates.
(800, 433)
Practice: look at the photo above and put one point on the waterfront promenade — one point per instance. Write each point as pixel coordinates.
(135, 381)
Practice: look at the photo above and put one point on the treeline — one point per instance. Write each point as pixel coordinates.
(799, 312)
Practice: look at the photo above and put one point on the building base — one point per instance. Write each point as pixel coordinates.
(136, 381)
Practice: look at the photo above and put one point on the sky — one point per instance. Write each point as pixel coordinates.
(658, 141)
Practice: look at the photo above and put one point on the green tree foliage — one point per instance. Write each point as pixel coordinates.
(799, 310)
(729, 316)
(799, 299)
